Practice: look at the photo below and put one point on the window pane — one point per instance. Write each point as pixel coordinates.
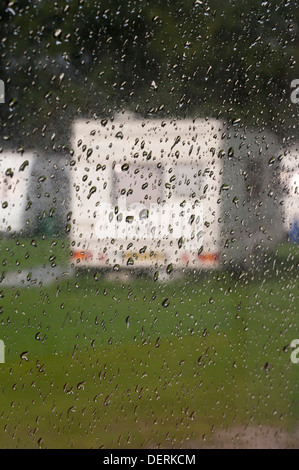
(149, 224)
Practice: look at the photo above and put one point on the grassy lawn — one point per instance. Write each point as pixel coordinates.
(92, 363)
(27, 253)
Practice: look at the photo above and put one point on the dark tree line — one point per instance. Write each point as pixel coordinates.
(68, 59)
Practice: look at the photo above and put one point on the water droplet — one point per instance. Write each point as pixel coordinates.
(23, 356)
(91, 192)
(24, 165)
(180, 242)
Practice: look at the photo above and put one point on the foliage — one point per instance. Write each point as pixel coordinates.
(65, 59)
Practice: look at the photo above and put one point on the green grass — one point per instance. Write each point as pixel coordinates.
(27, 253)
(93, 363)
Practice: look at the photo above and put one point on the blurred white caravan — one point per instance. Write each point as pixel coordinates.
(169, 193)
(290, 181)
(15, 180)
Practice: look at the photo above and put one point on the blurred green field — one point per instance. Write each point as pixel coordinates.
(27, 253)
(98, 363)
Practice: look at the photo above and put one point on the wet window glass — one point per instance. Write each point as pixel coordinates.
(140, 184)
(149, 224)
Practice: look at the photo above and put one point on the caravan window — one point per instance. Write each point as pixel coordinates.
(140, 184)
(188, 181)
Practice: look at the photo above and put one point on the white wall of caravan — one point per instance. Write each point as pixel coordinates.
(290, 180)
(15, 177)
